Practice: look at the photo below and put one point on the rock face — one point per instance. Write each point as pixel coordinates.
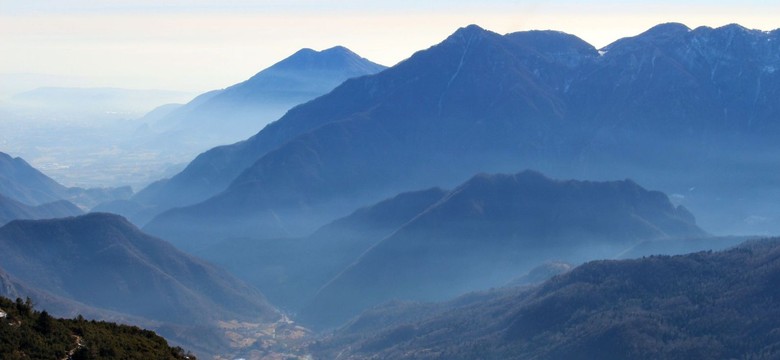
(493, 228)
(673, 108)
(701, 305)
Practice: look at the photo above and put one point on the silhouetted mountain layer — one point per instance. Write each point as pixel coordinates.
(22, 182)
(720, 305)
(673, 108)
(290, 271)
(103, 262)
(493, 228)
(232, 114)
(12, 210)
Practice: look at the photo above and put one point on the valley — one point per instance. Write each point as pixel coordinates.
(496, 196)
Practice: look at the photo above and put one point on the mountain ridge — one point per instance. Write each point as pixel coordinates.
(699, 305)
(365, 129)
(248, 106)
(102, 264)
(11, 209)
(493, 228)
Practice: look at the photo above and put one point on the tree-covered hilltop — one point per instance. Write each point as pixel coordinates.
(26, 333)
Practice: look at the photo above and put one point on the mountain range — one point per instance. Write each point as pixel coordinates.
(694, 306)
(667, 108)
(690, 112)
(483, 233)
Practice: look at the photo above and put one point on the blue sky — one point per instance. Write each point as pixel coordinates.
(198, 45)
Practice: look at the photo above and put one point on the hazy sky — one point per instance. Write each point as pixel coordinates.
(197, 45)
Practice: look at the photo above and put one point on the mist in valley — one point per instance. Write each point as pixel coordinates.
(88, 137)
(492, 195)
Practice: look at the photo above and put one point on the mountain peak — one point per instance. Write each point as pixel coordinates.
(667, 29)
(5, 156)
(471, 29)
(302, 52)
(553, 42)
(338, 49)
(13, 160)
(733, 27)
(334, 58)
(656, 34)
(729, 30)
(468, 33)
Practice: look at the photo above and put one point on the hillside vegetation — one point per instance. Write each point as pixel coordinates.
(26, 333)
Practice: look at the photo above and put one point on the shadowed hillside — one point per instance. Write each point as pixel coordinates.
(703, 305)
(494, 228)
(29, 334)
(102, 263)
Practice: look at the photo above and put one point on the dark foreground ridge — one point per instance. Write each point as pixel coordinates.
(26, 333)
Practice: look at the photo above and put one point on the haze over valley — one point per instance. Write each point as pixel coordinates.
(109, 137)
(515, 195)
